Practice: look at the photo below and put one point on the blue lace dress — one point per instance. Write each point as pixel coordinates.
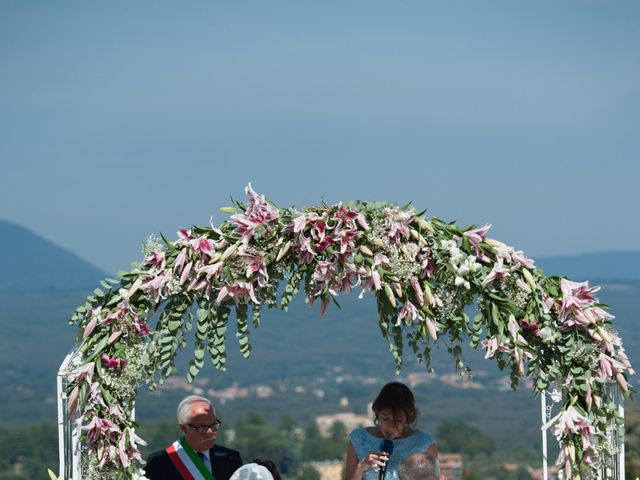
(363, 442)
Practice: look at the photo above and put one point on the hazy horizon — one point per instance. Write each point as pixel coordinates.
(120, 120)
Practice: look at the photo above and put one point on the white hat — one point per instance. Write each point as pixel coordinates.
(252, 471)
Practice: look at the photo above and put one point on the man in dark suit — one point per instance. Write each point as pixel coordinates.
(195, 455)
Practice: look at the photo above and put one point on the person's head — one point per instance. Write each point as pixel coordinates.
(395, 409)
(269, 465)
(198, 422)
(419, 466)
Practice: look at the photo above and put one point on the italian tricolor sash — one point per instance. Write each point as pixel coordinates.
(187, 461)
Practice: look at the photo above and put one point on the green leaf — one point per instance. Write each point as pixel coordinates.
(174, 325)
(193, 372)
(202, 314)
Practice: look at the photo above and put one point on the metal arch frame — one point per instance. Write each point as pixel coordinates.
(69, 454)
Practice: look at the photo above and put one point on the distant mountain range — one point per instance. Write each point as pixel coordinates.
(596, 267)
(31, 263)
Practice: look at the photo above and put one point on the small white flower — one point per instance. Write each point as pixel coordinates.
(448, 244)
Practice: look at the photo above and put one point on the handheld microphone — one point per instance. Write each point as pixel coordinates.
(385, 446)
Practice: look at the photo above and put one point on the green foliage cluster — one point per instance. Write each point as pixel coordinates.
(27, 451)
(456, 436)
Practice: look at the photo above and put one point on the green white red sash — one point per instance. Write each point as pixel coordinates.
(187, 461)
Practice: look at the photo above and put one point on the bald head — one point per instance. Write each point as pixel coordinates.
(419, 466)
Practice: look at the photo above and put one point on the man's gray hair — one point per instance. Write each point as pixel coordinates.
(419, 466)
(184, 407)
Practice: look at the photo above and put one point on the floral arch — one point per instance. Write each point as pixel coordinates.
(421, 272)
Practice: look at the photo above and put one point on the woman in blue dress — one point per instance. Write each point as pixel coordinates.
(395, 417)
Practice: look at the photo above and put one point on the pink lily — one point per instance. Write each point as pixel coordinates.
(324, 273)
(300, 222)
(179, 262)
(324, 244)
(140, 327)
(240, 292)
(476, 236)
(521, 259)
(98, 428)
(85, 372)
(213, 270)
(319, 230)
(346, 240)
(259, 209)
(530, 326)
(397, 221)
(496, 273)
(95, 394)
(340, 285)
(115, 411)
(257, 213)
(382, 260)
(346, 216)
(156, 260)
(184, 234)
(609, 367)
(408, 313)
(306, 253)
(571, 421)
(255, 264)
(578, 292)
(114, 363)
(522, 285)
(426, 263)
(245, 227)
(158, 285)
(492, 346)
(371, 282)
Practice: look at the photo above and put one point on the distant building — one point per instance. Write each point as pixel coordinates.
(456, 381)
(231, 393)
(418, 378)
(350, 421)
(451, 465)
(264, 391)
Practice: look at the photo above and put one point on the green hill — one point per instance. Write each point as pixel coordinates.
(30, 263)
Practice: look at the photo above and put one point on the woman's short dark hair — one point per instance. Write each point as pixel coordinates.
(398, 398)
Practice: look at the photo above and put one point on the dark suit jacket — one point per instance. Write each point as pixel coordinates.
(224, 462)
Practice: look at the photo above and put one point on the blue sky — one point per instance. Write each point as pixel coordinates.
(119, 119)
